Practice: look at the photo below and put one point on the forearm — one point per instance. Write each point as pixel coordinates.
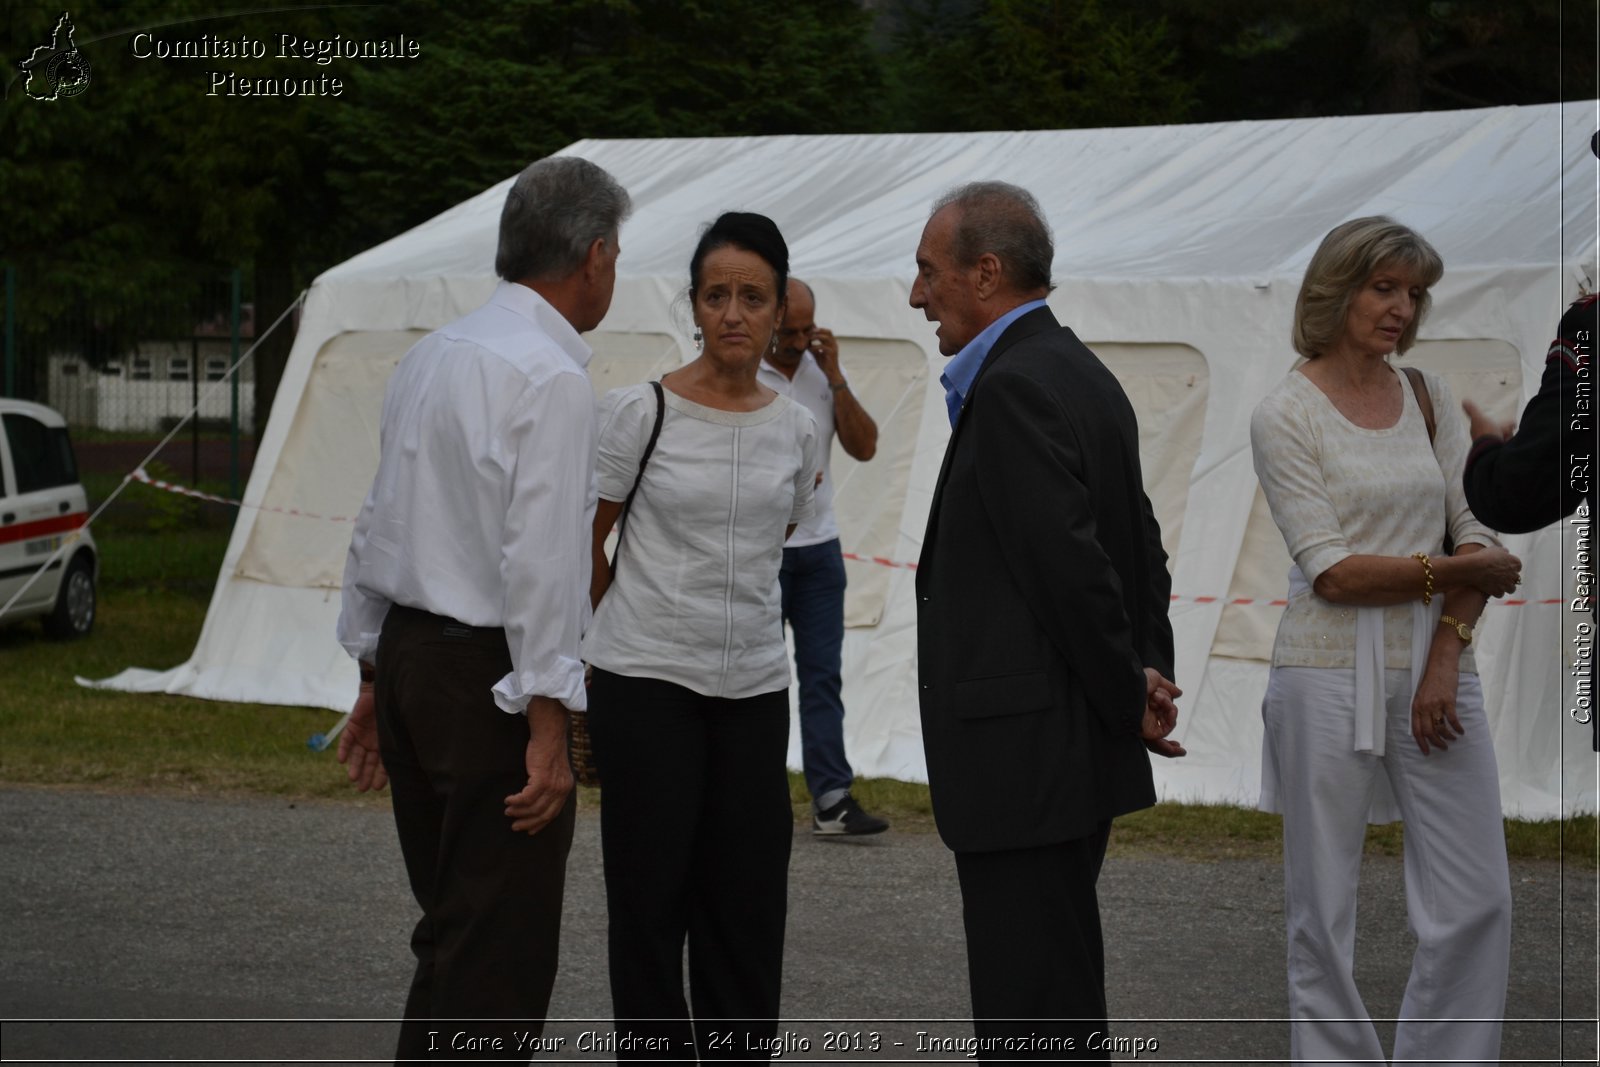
(599, 576)
(606, 513)
(858, 433)
(1463, 596)
(1379, 581)
(547, 722)
(1463, 604)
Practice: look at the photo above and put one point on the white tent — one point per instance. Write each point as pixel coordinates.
(1179, 252)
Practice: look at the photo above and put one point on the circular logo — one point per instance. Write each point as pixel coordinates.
(67, 74)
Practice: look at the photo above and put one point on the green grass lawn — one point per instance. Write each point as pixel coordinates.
(55, 732)
(155, 585)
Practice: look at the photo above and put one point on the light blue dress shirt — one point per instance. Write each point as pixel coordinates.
(964, 365)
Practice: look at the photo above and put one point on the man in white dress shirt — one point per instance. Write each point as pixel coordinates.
(466, 591)
(805, 367)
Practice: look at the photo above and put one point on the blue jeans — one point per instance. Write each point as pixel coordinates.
(812, 580)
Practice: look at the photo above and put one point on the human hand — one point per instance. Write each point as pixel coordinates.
(1496, 573)
(1483, 426)
(1433, 709)
(824, 348)
(549, 769)
(358, 744)
(1160, 715)
(1166, 748)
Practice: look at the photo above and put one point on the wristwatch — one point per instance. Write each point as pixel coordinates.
(1463, 631)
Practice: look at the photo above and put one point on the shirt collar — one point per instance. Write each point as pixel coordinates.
(963, 367)
(526, 303)
(770, 369)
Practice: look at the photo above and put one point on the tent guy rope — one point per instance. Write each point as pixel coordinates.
(143, 476)
(72, 538)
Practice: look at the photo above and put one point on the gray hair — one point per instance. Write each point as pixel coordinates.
(1004, 219)
(1350, 254)
(556, 209)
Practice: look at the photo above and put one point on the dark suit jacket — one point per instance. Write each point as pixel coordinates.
(1549, 464)
(1042, 593)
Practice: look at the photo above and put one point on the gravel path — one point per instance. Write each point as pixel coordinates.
(208, 914)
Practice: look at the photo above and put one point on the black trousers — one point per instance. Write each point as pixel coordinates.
(489, 937)
(695, 831)
(1035, 955)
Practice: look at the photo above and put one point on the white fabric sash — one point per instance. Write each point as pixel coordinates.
(1371, 718)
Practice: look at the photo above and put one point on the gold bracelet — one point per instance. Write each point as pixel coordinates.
(1427, 577)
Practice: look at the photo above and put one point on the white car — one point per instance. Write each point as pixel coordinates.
(43, 508)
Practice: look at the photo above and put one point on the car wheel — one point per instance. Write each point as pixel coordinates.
(73, 615)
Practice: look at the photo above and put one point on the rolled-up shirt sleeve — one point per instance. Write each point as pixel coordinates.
(361, 611)
(547, 446)
(1283, 445)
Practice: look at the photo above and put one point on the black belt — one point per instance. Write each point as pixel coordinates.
(447, 626)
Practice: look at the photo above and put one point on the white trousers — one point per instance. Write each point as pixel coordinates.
(1458, 884)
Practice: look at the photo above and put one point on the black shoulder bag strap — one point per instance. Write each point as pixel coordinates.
(1419, 385)
(650, 446)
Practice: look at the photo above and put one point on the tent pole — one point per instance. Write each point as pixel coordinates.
(11, 331)
(233, 392)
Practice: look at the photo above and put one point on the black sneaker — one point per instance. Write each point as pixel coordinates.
(846, 817)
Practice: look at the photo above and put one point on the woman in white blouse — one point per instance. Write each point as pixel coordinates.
(689, 705)
(1373, 709)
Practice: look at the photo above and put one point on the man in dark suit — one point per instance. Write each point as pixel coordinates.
(1043, 643)
(1520, 480)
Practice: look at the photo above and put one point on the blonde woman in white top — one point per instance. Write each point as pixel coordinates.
(689, 707)
(1374, 709)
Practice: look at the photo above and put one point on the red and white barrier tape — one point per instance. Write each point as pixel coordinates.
(879, 560)
(1240, 601)
(141, 475)
(1245, 601)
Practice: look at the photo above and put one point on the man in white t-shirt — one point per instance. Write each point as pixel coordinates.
(805, 367)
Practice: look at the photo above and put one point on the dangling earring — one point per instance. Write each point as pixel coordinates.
(772, 349)
(699, 339)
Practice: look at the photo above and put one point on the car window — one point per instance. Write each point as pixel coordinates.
(41, 455)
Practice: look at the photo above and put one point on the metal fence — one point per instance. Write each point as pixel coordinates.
(124, 377)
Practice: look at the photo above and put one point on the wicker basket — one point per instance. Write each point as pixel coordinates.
(580, 750)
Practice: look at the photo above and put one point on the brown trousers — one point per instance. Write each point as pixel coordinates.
(489, 937)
